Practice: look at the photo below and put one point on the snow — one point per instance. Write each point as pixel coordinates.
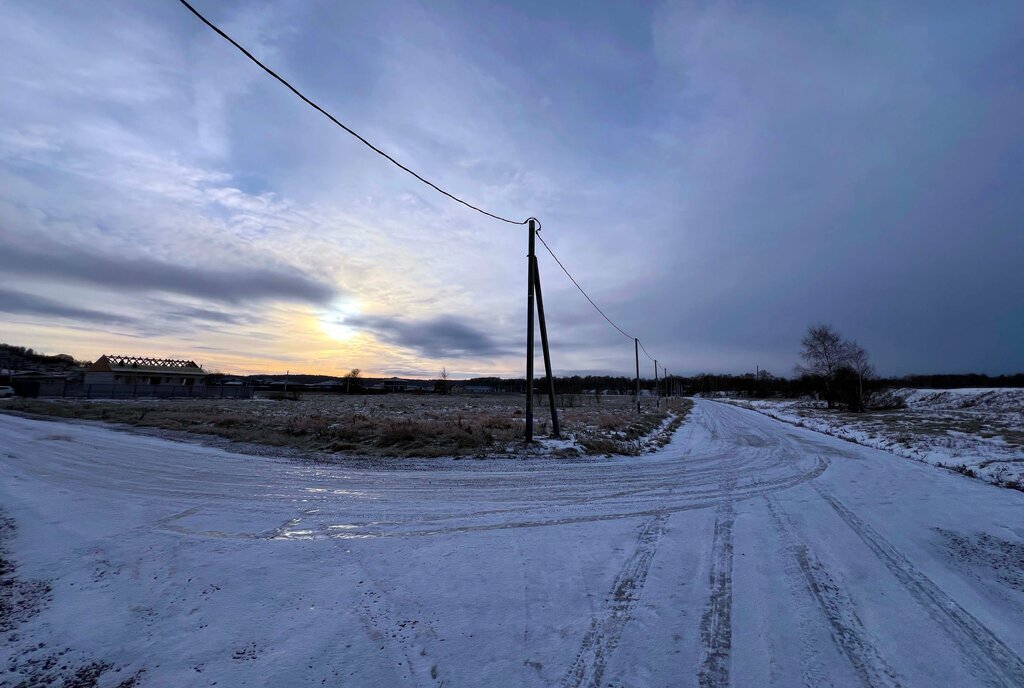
(1000, 400)
(747, 552)
(978, 431)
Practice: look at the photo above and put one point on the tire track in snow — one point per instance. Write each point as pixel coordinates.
(716, 620)
(705, 501)
(848, 630)
(990, 659)
(702, 499)
(603, 637)
(284, 531)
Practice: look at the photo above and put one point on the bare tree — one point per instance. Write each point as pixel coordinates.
(824, 353)
(841, 365)
(857, 360)
(352, 377)
(442, 383)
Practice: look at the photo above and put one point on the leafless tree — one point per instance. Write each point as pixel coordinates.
(857, 360)
(824, 353)
(443, 381)
(835, 361)
(352, 377)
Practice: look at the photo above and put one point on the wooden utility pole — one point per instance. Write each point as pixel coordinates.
(657, 390)
(556, 430)
(636, 351)
(531, 266)
(860, 390)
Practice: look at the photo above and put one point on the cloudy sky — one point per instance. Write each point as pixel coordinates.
(718, 175)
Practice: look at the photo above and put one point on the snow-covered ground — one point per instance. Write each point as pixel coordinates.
(748, 553)
(976, 431)
(1009, 401)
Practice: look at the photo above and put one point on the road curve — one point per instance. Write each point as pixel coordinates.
(748, 552)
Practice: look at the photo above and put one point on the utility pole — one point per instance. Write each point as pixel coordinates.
(860, 389)
(531, 266)
(556, 430)
(657, 390)
(636, 351)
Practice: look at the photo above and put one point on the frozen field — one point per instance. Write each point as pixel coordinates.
(392, 425)
(979, 432)
(748, 552)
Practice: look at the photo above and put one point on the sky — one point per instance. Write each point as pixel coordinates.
(717, 175)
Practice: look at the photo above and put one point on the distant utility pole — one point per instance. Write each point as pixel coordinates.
(860, 389)
(636, 351)
(657, 390)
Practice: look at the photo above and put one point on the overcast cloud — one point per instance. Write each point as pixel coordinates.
(718, 175)
(441, 338)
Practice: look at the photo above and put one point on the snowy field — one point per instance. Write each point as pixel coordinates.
(979, 432)
(748, 552)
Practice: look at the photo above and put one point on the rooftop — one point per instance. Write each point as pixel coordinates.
(124, 363)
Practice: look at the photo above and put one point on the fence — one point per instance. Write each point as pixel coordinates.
(78, 390)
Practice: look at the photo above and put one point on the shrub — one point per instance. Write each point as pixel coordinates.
(884, 400)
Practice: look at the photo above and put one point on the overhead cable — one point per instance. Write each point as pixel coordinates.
(334, 119)
(573, 279)
(395, 162)
(592, 303)
(645, 351)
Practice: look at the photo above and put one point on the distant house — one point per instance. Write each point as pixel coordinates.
(137, 370)
(397, 384)
(420, 386)
(327, 386)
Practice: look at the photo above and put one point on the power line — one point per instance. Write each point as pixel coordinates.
(592, 303)
(331, 117)
(390, 159)
(645, 351)
(573, 279)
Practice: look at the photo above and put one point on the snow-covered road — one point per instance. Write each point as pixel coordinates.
(747, 553)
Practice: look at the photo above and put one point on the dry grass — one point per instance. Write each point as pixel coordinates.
(394, 425)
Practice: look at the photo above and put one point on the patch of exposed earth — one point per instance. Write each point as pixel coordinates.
(30, 664)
